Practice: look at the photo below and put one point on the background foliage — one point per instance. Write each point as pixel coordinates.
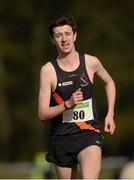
(105, 29)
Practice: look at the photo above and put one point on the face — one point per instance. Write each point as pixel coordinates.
(64, 38)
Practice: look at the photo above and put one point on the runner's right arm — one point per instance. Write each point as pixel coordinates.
(44, 110)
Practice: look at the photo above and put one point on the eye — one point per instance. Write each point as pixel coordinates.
(57, 35)
(68, 33)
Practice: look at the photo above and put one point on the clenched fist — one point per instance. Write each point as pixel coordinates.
(75, 99)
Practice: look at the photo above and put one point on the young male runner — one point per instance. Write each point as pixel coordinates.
(66, 97)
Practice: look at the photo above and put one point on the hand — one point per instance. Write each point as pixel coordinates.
(75, 99)
(109, 124)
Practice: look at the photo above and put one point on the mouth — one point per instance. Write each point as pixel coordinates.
(65, 45)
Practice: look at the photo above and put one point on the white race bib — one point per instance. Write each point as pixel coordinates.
(81, 112)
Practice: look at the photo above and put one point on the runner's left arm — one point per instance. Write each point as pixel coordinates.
(111, 94)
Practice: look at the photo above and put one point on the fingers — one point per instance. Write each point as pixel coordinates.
(75, 99)
(77, 96)
(109, 127)
(78, 91)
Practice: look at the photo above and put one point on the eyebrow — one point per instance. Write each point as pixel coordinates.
(62, 33)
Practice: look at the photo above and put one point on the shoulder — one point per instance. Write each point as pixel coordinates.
(91, 59)
(47, 68)
(92, 62)
(47, 72)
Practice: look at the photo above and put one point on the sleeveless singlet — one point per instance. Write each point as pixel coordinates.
(82, 117)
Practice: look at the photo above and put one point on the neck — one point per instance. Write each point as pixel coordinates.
(69, 61)
(67, 57)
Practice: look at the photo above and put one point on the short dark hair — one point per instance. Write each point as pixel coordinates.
(60, 20)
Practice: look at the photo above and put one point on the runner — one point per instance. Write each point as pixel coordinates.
(66, 96)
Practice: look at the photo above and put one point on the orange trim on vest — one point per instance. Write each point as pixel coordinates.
(57, 98)
(83, 125)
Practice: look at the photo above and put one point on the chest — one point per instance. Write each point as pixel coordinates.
(68, 83)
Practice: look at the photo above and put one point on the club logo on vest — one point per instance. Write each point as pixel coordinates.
(67, 83)
(84, 81)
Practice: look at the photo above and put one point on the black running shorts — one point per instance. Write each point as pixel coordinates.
(63, 150)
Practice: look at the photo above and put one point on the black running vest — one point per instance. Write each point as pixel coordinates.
(67, 83)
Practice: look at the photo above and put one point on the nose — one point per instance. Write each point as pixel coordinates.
(64, 38)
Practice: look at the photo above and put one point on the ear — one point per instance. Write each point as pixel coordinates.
(75, 36)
